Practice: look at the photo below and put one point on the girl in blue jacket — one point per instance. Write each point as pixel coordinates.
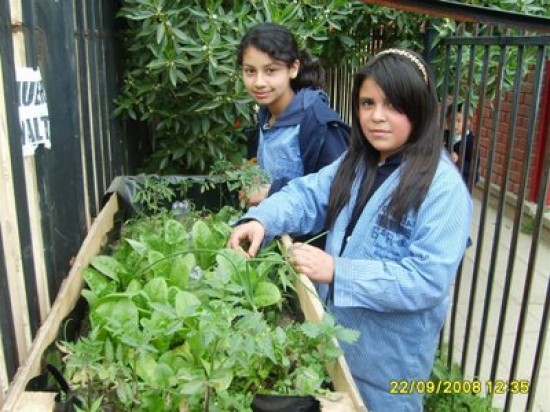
(298, 133)
(399, 216)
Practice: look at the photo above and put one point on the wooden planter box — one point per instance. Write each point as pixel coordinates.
(345, 399)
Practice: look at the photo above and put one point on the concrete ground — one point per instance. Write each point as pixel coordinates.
(536, 299)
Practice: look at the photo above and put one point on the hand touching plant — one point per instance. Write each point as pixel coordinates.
(308, 260)
(247, 238)
(311, 261)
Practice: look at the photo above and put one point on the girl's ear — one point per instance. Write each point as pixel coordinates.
(294, 68)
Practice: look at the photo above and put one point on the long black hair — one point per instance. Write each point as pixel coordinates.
(410, 91)
(279, 43)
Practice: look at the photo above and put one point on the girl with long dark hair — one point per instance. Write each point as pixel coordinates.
(398, 214)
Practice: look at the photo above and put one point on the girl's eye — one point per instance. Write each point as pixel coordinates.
(248, 71)
(270, 71)
(367, 102)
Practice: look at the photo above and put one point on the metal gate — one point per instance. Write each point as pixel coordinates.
(497, 326)
(499, 319)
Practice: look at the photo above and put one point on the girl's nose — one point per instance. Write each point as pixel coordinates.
(259, 80)
(378, 112)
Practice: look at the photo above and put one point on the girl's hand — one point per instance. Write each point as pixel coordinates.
(313, 262)
(247, 238)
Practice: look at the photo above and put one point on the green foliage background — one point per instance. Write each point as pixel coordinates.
(181, 76)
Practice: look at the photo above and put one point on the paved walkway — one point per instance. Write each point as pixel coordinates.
(532, 325)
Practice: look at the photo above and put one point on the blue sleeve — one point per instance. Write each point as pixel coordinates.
(299, 208)
(422, 278)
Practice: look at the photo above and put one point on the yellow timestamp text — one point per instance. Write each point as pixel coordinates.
(408, 387)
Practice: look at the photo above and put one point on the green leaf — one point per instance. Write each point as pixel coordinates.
(157, 290)
(108, 266)
(97, 283)
(194, 383)
(231, 265)
(117, 312)
(164, 376)
(139, 247)
(266, 294)
(145, 367)
(180, 270)
(174, 232)
(202, 235)
(186, 303)
(221, 378)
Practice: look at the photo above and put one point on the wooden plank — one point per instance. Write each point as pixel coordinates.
(313, 310)
(67, 297)
(36, 402)
(336, 402)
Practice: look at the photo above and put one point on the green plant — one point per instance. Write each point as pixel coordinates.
(175, 317)
(455, 394)
(181, 73)
(241, 177)
(152, 194)
(527, 224)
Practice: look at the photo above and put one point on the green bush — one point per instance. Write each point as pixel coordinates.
(180, 65)
(181, 73)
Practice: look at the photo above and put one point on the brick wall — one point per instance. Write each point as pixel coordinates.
(519, 137)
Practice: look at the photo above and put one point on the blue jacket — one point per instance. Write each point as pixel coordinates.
(391, 284)
(323, 135)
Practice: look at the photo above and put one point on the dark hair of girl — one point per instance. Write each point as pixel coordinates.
(279, 43)
(405, 88)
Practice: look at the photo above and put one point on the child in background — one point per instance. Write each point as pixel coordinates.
(298, 133)
(457, 140)
(393, 248)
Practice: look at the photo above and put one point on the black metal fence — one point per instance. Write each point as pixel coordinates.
(502, 78)
(496, 329)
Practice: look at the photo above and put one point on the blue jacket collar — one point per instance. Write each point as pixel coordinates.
(295, 111)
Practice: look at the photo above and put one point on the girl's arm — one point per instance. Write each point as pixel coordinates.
(299, 208)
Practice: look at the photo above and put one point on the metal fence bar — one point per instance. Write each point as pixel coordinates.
(483, 216)
(458, 277)
(496, 237)
(535, 236)
(85, 130)
(511, 257)
(95, 98)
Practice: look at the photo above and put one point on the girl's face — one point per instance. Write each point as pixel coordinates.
(386, 129)
(268, 80)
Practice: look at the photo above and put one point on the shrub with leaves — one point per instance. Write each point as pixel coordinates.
(181, 73)
(180, 65)
(177, 318)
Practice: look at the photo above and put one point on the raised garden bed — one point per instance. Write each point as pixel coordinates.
(343, 398)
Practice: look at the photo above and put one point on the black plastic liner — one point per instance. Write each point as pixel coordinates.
(285, 403)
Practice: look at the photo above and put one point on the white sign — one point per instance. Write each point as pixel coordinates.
(33, 110)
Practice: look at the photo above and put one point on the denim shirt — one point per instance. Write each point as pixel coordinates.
(391, 283)
(284, 142)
